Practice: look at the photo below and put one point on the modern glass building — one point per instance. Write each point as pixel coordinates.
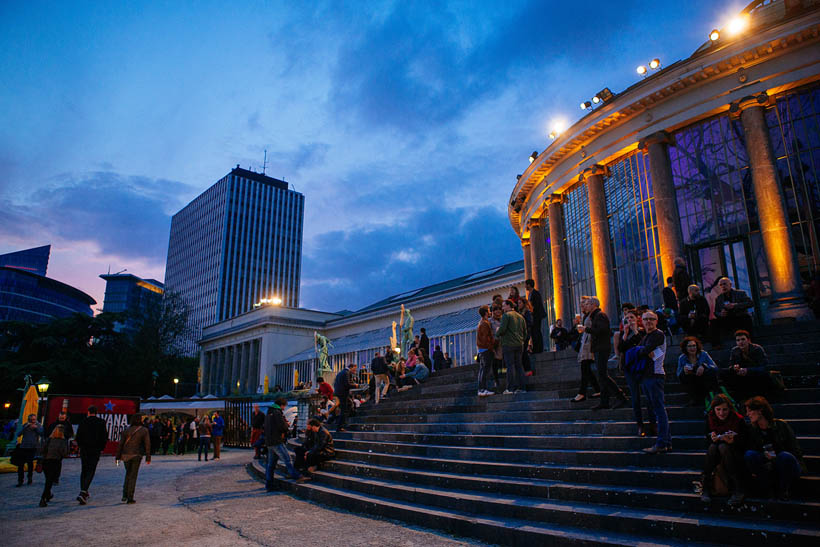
(715, 159)
(127, 293)
(238, 242)
(26, 294)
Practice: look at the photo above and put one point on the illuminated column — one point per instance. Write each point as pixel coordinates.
(525, 245)
(225, 379)
(559, 260)
(599, 235)
(670, 238)
(235, 364)
(538, 244)
(204, 363)
(788, 298)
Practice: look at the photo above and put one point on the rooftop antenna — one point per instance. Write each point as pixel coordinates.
(265, 163)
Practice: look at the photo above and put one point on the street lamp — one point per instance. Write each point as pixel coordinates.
(176, 385)
(42, 386)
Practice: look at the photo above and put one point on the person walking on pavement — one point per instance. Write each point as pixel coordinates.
(205, 430)
(511, 334)
(91, 438)
(257, 425)
(54, 450)
(276, 434)
(217, 430)
(31, 438)
(341, 387)
(135, 443)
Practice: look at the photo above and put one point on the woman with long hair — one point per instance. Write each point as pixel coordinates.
(204, 428)
(727, 435)
(54, 450)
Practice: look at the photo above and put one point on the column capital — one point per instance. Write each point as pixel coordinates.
(593, 170)
(525, 242)
(536, 222)
(738, 106)
(658, 137)
(555, 198)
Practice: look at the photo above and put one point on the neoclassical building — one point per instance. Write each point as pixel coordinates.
(715, 158)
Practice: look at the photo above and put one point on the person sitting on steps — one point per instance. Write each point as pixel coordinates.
(317, 448)
(746, 375)
(727, 434)
(697, 371)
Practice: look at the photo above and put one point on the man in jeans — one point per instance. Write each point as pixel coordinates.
(601, 346)
(378, 366)
(654, 349)
(276, 433)
(217, 430)
(511, 335)
(91, 438)
(485, 341)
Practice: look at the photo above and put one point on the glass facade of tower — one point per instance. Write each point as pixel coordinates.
(240, 241)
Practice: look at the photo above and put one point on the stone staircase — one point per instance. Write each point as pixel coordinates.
(534, 468)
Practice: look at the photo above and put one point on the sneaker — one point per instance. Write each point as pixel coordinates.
(487, 392)
(82, 499)
(507, 392)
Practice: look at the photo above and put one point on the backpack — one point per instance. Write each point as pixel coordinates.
(635, 364)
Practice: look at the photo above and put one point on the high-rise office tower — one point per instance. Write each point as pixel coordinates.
(238, 242)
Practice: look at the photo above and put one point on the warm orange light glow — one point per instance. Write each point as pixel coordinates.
(641, 70)
(714, 35)
(738, 24)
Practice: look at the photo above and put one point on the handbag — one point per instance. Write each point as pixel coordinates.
(720, 482)
(38, 467)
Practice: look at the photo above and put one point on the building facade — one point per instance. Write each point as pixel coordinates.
(277, 342)
(26, 294)
(237, 243)
(714, 159)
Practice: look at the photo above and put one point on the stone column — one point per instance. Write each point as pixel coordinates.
(225, 388)
(235, 367)
(254, 380)
(559, 260)
(538, 245)
(670, 238)
(525, 245)
(599, 235)
(243, 371)
(788, 298)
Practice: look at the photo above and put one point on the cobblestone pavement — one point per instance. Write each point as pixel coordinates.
(184, 502)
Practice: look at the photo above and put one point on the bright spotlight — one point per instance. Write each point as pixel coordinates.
(533, 155)
(641, 70)
(586, 105)
(654, 63)
(714, 35)
(738, 24)
(596, 99)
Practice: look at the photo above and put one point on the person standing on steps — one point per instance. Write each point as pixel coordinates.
(583, 332)
(54, 450)
(653, 347)
(341, 387)
(381, 380)
(538, 315)
(134, 443)
(424, 343)
(511, 335)
(485, 341)
(276, 435)
(601, 347)
(91, 438)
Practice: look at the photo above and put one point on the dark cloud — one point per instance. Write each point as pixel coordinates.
(124, 215)
(354, 269)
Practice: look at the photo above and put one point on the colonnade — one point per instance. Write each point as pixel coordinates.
(231, 368)
(787, 299)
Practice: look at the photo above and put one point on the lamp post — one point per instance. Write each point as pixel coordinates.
(42, 388)
(176, 385)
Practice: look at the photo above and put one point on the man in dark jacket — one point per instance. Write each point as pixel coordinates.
(681, 279)
(746, 374)
(538, 314)
(276, 434)
(731, 310)
(601, 347)
(438, 359)
(381, 381)
(317, 448)
(341, 387)
(424, 343)
(257, 424)
(670, 297)
(91, 438)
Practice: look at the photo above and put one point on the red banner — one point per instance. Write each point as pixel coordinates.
(115, 411)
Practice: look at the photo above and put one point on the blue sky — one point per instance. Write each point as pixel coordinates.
(403, 123)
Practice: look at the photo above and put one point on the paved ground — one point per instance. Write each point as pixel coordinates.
(184, 502)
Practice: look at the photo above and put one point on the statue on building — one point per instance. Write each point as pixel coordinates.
(320, 346)
(406, 330)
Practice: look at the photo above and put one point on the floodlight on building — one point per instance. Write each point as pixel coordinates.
(604, 95)
(714, 35)
(397, 349)
(641, 70)
(533, 155)
(586, 105)
(738, 24)
(655, 63)
(596, 99)
(553, 134)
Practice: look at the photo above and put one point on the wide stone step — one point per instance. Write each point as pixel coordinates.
(681, 459)
(682, 427)
(632, 496)
(809, 444)
(487, 528)
(624, 520)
